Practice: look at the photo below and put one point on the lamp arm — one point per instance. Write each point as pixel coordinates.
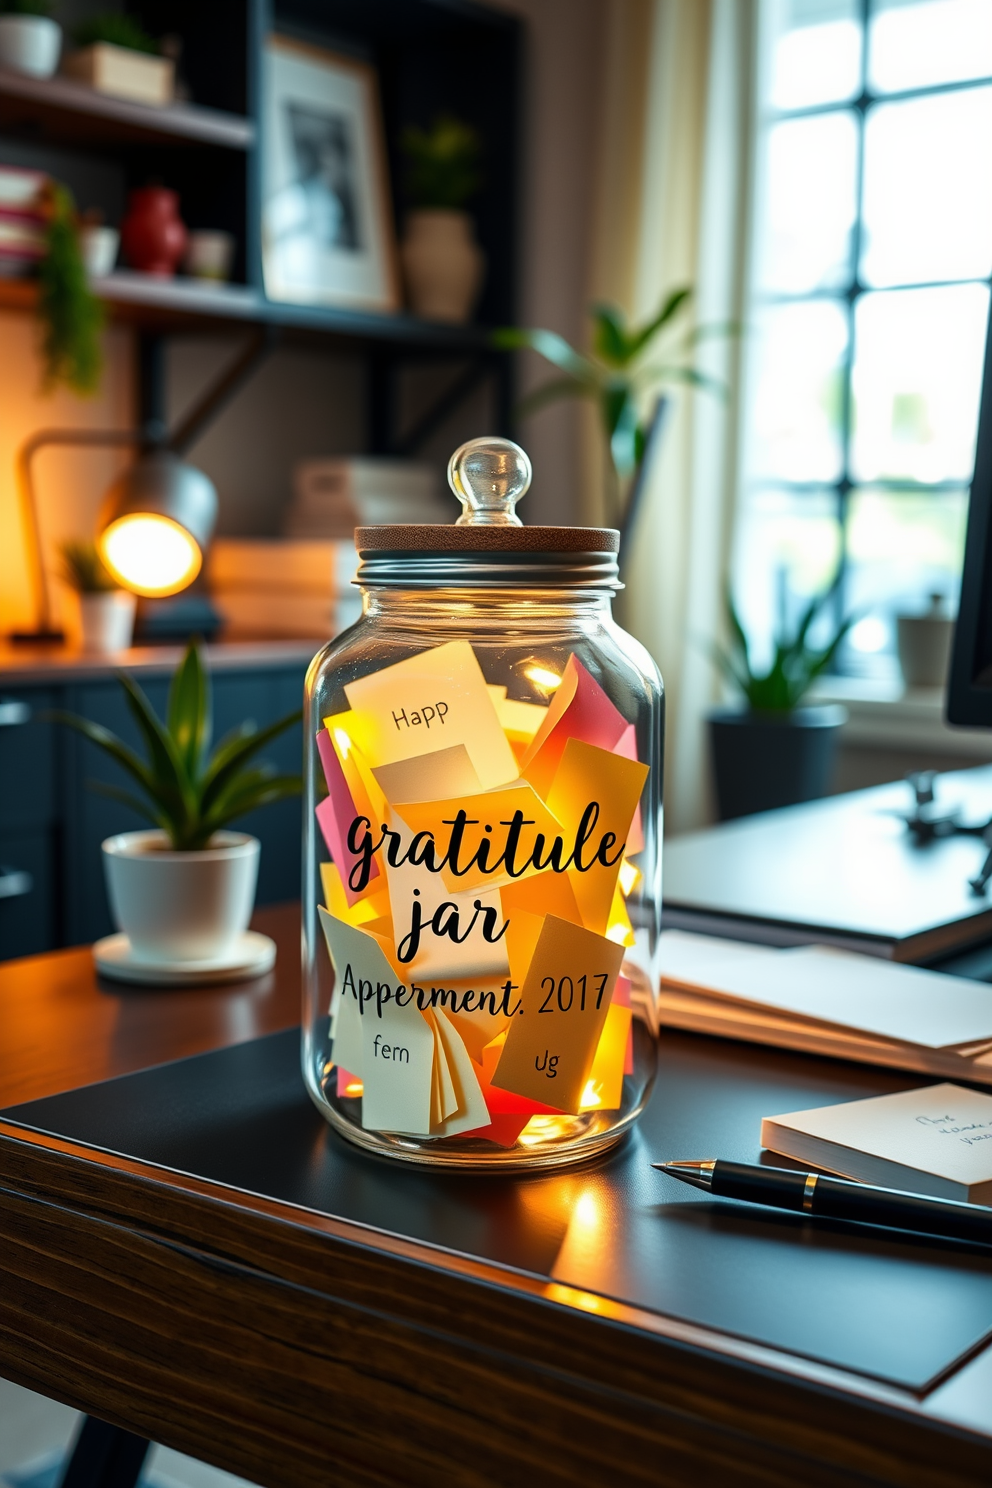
(188, 430)
(99, 438)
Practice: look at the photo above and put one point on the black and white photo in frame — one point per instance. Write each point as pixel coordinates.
(327, 233)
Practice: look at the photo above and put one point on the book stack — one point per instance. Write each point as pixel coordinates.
(22, 223)
(826, 1001)
(277, 588)
(332, 497)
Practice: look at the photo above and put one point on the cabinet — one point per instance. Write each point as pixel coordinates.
(53, 820)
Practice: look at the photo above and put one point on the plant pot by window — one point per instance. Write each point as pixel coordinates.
(924, 644)
(442, 263)
(104, 622)
(153, 236)
(181, 906)
(765, 760)
(30, 43)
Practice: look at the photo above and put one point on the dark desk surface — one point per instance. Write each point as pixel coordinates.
(351, 1319)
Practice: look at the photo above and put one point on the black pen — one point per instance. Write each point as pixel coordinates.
(836, 1198)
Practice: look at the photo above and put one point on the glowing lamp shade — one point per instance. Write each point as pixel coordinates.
(155, 524)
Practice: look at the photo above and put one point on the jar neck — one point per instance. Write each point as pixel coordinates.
(488, 606)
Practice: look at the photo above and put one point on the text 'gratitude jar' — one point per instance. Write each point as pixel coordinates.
(482, 858)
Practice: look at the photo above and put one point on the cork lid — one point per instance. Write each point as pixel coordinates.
(488, 546)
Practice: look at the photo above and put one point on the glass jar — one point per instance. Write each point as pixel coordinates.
(482, 842)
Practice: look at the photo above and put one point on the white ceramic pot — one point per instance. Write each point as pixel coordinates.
(30, 44)
(209, 255)
(103, 622)
(99, 248)
(181, 906)
(442, 263)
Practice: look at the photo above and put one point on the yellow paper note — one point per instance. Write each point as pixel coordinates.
(475, 1009)
(602, 789)
(546, 893)
(472, 1109)
(365, 789)
(520, 721)
(373, 907)
(437, 933)
(429, 777)
(429, 702)
(444, 1098)
(495, 839)
(522, 934)
(397, 1044)
(604, 1088)
(565, 1001)
(346, 1022)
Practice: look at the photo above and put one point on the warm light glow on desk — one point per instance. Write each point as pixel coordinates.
(150, 554)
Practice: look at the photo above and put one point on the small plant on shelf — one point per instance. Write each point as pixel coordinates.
(70, 313)
(185, 789)
(83, 569)
(443, 163)
(117, 30)
(795, 664)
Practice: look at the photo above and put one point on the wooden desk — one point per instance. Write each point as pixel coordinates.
(299, 1349)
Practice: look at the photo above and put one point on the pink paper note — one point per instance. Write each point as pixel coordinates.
(335, 815)
(579, 709)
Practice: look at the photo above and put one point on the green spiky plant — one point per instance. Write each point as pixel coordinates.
(116, 30)
(70, 313)
(625, 364)
(186, 790)
(83, 569)
(442, 167)
(795, 664)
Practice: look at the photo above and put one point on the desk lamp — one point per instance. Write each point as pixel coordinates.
(156, 519)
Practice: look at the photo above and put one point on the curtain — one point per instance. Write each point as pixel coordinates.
(671, 210)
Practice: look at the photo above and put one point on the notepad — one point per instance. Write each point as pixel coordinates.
(827, 1001)
(937, 1140)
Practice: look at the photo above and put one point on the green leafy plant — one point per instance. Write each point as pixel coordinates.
(625, 364)
(442, 163)
(27, 7)
(186, 790)
(795, 664)
(116, 30)
(69, 311)
(83, 569)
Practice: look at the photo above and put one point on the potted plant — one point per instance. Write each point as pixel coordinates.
(71, 315)
(773, 751)
(117, 56)
(623, 368)
(104, 613)
(442, 262)
(30, 41)
(184, 891)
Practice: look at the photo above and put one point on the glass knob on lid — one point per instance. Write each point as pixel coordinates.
(489, 476)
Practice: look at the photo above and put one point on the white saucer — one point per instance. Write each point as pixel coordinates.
(251, 956)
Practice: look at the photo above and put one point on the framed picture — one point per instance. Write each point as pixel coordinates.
(327, 232)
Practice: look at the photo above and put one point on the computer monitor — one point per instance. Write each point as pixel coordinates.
(969, 692)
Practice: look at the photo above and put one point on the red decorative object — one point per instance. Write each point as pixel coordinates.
(153, 237)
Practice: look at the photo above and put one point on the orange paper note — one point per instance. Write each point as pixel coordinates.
(565, 1000)
(488, 839)
(591, 777)
(579, 709)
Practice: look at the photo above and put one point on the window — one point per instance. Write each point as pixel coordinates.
(871, 261)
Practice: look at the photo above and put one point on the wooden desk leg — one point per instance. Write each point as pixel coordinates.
(104, 1457)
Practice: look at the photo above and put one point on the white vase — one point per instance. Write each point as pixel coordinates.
(103, 622)
(181, 906)
(30, 44)
(442, 263)
(99, 249)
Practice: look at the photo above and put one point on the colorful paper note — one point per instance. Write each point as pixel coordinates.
(627, 746)
(363, 911)
(335, 813)
(565, 1001)
(488, 839)
(587, 778)
(471, 1112)
(429, 702)
(429, 777)
(604, 1088)
(397, 1044)
(580, 709)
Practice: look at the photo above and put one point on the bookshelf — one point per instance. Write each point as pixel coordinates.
(430, 56)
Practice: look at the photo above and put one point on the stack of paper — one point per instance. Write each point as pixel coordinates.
(22, 220)
(275, 587)
(475, 899)
(332, 497)
(828, 1002)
